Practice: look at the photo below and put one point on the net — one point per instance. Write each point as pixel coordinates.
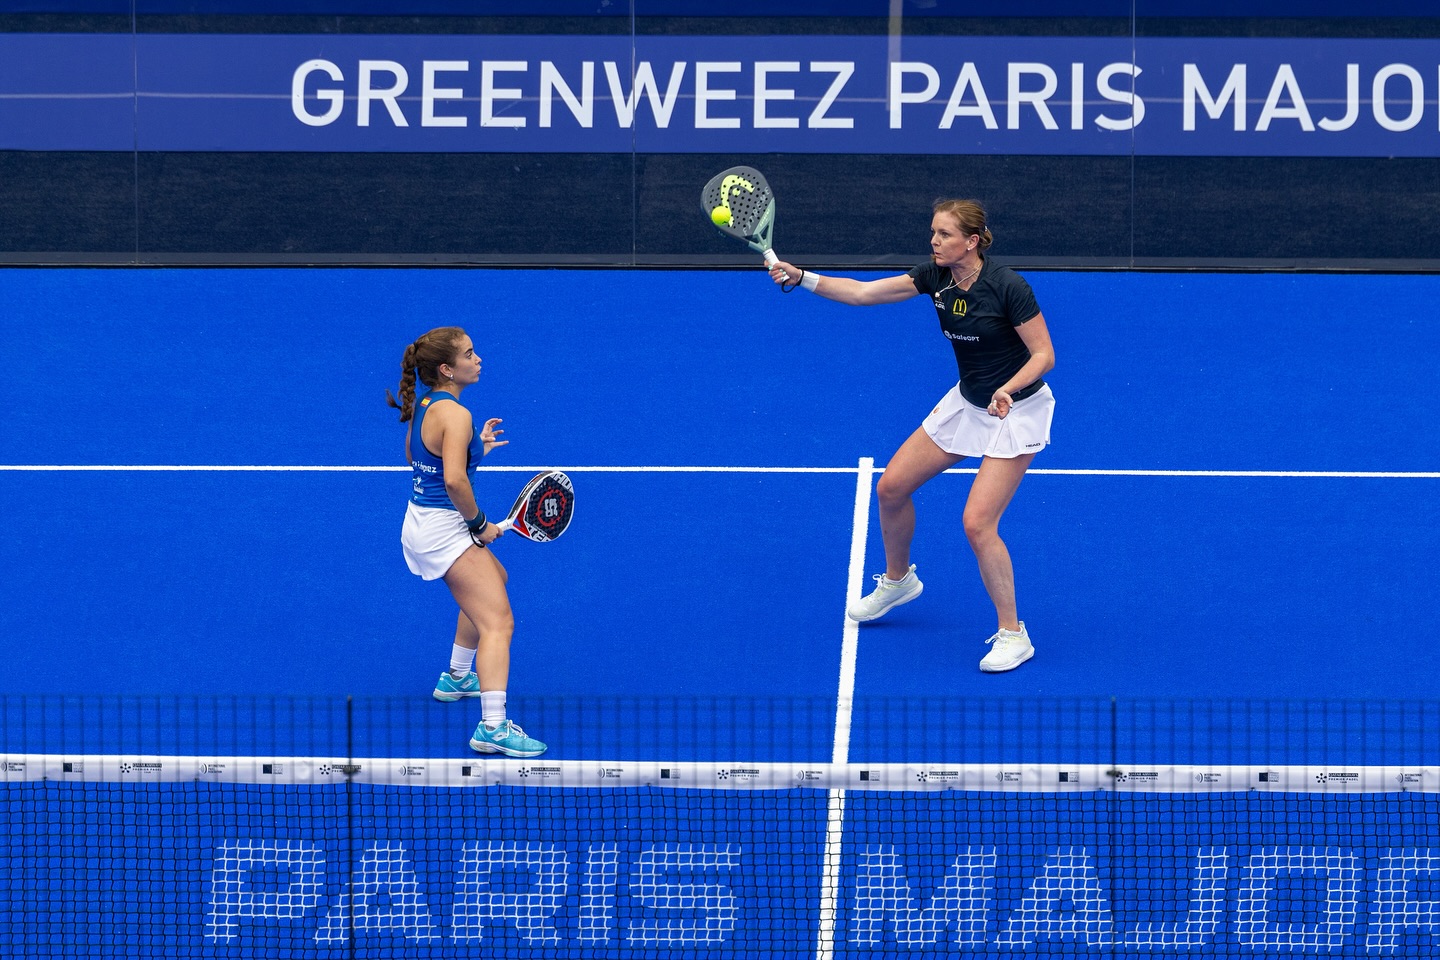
(1029, 841)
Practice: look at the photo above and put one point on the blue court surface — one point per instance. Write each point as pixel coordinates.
(1239, 505)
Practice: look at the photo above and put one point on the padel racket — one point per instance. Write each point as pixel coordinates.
(543, 509)
(739, 202)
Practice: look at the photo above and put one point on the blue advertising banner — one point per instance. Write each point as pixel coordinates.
(67, 92)
(823, 94)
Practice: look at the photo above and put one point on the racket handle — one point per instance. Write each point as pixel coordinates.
(771, 260)
(505, 524)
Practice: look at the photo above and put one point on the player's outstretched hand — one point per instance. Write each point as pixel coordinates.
(489, 435)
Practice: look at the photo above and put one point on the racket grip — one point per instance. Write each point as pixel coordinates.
(505, 524)
(771, 260)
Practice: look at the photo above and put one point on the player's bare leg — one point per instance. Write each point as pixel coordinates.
(917, 462)
(477, 580)
(467, 635)
(461, 680)
(995, 485)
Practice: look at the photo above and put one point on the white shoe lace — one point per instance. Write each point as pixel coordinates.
(513, 729)
(1001, 641)
(882, 582)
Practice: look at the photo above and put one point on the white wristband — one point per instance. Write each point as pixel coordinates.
(809, 281)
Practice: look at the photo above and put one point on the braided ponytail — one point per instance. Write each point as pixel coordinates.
(406, 406)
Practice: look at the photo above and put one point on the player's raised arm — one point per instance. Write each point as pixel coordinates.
(860, 293)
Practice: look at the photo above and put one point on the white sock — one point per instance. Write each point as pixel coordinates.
(460, 660)
(492, 705)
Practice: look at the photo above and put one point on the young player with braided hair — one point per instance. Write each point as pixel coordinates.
(999, 411)
(445, 534)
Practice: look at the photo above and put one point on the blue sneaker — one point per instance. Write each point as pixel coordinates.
(448, 689)
(507, 738)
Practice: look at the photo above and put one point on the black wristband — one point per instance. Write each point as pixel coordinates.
(477, 524)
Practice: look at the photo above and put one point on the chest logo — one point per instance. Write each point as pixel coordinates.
(959, 307)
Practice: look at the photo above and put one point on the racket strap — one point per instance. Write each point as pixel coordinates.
(809, 280)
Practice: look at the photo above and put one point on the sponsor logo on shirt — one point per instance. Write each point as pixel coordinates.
(957, 308)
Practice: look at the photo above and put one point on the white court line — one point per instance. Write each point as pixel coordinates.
(844, 706)
(850, 642)
(259, 468)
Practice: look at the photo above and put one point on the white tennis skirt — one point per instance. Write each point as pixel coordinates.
(958, 426)
(433, 539)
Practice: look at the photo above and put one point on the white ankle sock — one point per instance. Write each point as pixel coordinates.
(460, 660)
(492, 706)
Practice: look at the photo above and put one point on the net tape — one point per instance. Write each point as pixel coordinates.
(691, 775)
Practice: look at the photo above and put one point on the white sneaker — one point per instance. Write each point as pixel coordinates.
(1008, 649)
(888, 593)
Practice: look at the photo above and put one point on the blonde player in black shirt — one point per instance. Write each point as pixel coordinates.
(999, 411)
